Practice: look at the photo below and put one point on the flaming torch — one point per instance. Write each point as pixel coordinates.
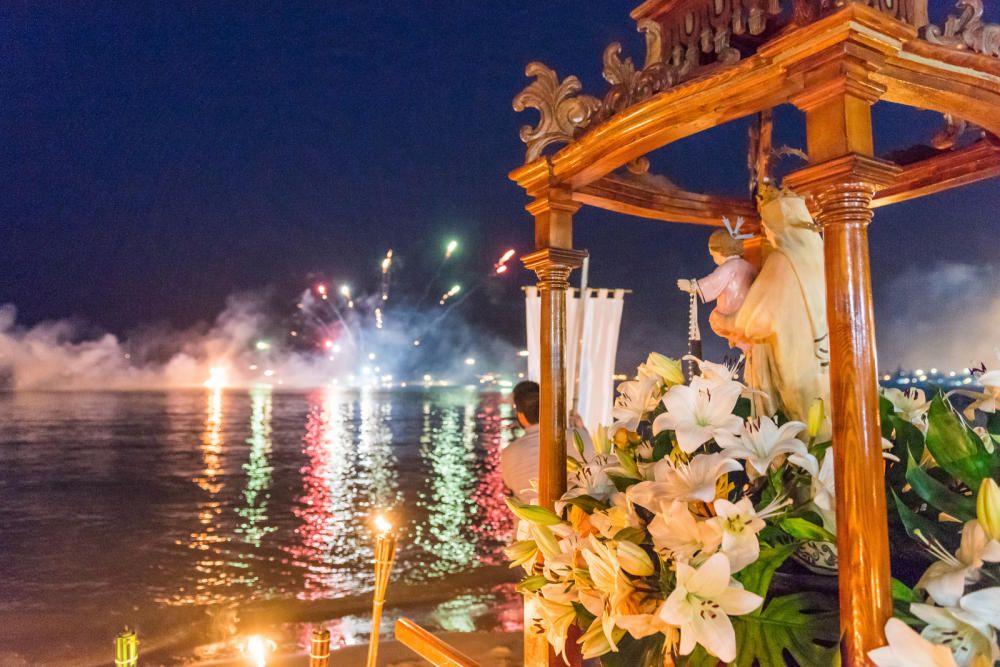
(385, 554)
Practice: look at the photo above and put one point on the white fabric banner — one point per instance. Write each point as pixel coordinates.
(601, 324)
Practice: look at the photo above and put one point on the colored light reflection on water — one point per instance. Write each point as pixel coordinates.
(234, 501)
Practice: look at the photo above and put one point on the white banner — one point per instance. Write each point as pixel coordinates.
(601, 324)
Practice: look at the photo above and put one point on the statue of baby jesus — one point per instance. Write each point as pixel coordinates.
(727, 285)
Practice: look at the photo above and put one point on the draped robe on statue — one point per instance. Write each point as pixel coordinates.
(783, 319)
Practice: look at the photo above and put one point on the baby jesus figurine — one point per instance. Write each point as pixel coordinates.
(727, 285)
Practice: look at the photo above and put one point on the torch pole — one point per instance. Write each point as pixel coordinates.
(126, 649)
(319, 651)
(385, 555)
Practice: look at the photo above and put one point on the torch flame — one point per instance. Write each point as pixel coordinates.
(507, 255)
(382, 525)
(258, 648)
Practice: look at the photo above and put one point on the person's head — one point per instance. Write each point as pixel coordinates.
(526, 402)
(722, 246)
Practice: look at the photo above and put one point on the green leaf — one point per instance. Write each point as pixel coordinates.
(756, 577)
(634, 535)
(937, 495)
(903, 593)
(803, 529)
(632, 652)
(958, 451)
(621, 482)
(578, 442)
(588, 504)
(743, 408)
(803, 626)
(913, 522)
(627, 461)
(885, 411)
(662, 445)
(908, 440)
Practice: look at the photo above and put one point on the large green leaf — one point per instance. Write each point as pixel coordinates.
(800, 626)
(958, 451)
(803, 529)
(937, 495)
(633, 652)
(914, 522)
(756, 577)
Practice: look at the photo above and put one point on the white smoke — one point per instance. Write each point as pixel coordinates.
(60, 355)
(947, 316)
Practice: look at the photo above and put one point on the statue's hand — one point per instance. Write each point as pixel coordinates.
(684, 285)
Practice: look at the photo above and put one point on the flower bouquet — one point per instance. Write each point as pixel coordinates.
(664, 547)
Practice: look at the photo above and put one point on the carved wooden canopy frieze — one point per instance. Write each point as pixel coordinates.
(687, 38)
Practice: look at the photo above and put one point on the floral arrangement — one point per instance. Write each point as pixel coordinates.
(665, 546)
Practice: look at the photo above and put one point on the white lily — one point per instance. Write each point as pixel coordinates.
(712, 372)
(739, 524)
(692, 482)
(701, 603)
(635, 398)
(616, 518)
(761, 442)
(699, 411)
(596, 642)
(945, 580)
(677, 533)
(664, 369)
(592, 479)
(967, 636)
(984, 604)
(555, 619)
(614, 590)
(910, 404)
(908, 649)
(989, 400)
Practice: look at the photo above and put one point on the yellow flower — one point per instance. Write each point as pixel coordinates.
(988, 508)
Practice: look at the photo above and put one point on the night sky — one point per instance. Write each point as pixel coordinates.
(158, 157)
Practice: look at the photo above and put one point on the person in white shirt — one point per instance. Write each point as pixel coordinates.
(519, 460)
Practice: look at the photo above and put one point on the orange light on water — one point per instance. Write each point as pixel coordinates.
(216, 378)
(258, 648)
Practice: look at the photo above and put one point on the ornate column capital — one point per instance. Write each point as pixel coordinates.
(553, 199)
(842, 189)
(553, 266)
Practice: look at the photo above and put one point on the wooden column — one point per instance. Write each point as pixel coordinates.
(842, 178)
(553, 261)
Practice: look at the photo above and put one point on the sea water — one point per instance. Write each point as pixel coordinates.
(200, 517)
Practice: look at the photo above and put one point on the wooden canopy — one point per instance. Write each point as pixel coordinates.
(711, 61)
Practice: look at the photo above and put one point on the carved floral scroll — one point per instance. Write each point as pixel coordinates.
(967, 30)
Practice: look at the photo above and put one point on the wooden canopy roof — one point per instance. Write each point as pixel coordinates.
(684, 89)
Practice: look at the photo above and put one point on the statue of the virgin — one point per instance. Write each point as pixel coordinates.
(782, 322)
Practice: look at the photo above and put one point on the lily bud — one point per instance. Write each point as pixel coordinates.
(521, 552)
(634, 559)
(988, 508)
(817, 415)
(533, 513)
(621, 438)
(601, 443)
(531, 584)
(545, 540)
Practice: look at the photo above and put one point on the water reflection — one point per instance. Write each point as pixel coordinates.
(447, 450)
(210, 577)
(494, 523)
(256, 494)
